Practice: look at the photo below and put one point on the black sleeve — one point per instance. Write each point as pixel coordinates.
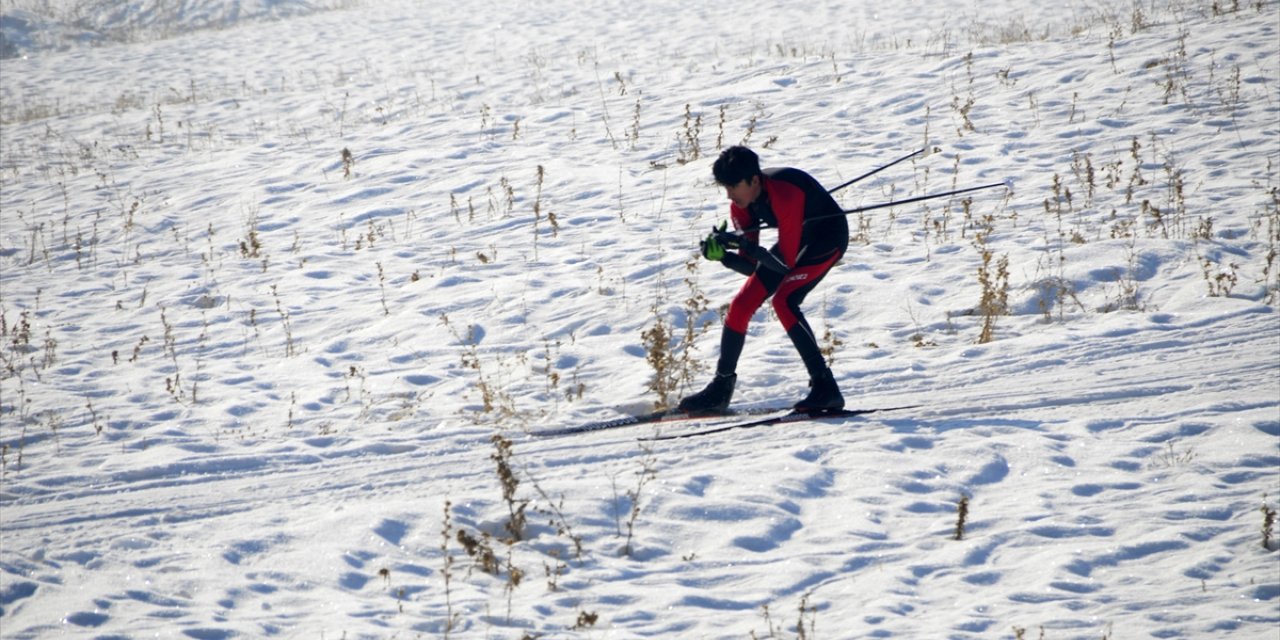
(749, 255)
(742, 265)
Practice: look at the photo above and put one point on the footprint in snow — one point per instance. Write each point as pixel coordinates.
(1089, 490)
(353, 581)
(697, 486)
(992, 472)
(392, 531)
(86, 619)
(777, 534)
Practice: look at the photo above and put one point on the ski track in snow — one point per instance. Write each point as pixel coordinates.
(211, 438)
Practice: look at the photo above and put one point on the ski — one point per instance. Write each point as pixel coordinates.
(791, 416)
(656, 417)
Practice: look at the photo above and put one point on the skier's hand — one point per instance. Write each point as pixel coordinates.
(727, 239)
(712, 247)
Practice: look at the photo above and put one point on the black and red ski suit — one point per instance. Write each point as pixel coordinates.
(813, 234)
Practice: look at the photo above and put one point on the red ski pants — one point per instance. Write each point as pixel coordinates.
(788, 293)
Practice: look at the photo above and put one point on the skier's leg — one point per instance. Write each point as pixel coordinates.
(731, 343)
(787, 305)
(719, 392)
(824, 393)
(806, 345)
(754, 292)
(715, 397)
(790, 294)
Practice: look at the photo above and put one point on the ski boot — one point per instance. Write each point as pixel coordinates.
(824, 395)
(714, 399)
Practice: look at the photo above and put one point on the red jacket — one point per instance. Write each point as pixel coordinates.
(790, 196)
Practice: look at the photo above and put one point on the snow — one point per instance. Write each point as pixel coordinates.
(251, 382)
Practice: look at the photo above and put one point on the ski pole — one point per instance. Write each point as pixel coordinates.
(907, 201)
(875, 171)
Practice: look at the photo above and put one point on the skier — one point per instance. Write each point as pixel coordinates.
(784, 199)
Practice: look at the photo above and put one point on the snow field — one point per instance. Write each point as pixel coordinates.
(244, 372)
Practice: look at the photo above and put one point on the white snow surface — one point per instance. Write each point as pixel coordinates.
(268, 291)
(28, 26)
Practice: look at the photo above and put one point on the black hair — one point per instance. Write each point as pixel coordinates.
(734, 165)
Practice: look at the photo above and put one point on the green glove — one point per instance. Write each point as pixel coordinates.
(711, 247)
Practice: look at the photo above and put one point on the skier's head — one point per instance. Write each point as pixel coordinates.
(734, 165)
(738, 171)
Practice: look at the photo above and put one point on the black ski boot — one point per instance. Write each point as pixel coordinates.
(824, 395)
(714, 399)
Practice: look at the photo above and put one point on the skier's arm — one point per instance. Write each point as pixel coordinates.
(748, 253)
(748, 257)
(738, 263)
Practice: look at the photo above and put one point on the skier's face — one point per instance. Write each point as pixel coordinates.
(745, 192)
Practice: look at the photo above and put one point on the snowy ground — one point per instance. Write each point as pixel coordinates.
(269, 286)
